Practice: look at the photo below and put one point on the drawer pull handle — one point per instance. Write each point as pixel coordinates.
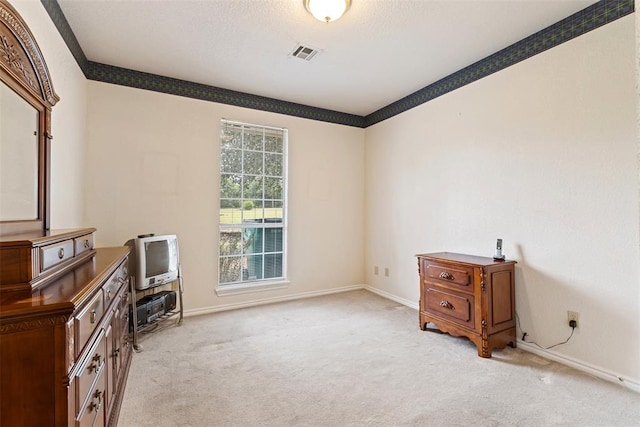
(61, 253)
(86, 243)
(94, 366)
(446, 275)
(92, 316)
(116, 352)
(446, 304)
(109, 294)
(97, 406)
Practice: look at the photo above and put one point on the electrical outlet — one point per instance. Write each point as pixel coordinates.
(386, 271)
(375, 269)
(573, 315)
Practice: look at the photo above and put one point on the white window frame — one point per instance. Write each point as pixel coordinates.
(253, 285)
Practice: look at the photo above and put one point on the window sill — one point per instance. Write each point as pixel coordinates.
(246, 288)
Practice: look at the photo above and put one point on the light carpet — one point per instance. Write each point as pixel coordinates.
(352, 359)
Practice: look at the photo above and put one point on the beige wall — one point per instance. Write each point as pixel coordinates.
(68, 125)
(543, 155)
(153, 168)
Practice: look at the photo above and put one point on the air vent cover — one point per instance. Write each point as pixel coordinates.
(304, 52)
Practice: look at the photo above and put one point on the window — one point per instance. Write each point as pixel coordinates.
(253, 169)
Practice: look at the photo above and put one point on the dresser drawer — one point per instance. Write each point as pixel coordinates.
(449, 305)
(92, 411)
(53, 255)
(89, 370)
(87, 320)
(456, 276)
(124, 301)
(113, 287)
(84, 243)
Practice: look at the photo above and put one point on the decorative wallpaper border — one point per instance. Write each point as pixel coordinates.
(154, 82)
(60, 21)
(590, 18)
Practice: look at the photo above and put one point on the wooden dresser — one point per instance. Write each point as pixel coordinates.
(64, 345)
(64, 316)
(470, 296)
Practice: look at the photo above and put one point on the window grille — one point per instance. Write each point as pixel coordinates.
(253, 210)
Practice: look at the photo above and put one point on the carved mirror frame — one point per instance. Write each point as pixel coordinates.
(23, 69)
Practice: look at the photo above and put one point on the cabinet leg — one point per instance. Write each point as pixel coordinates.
(423, 322)
(483, 350)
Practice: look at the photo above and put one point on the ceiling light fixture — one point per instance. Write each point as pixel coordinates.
(327, 10)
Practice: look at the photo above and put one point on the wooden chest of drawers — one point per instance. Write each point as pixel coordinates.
(64, 347)
(470, 296)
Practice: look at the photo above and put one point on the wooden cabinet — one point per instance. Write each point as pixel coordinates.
(470, 296)
(64, 353)
(64, 347)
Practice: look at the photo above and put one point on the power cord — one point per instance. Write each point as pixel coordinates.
(572, 324)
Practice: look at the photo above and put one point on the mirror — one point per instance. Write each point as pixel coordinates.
(18, 157)
(26, 99)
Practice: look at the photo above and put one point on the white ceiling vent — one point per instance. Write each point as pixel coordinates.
(304, 52)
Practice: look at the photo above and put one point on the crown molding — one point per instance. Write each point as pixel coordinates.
(588, 19)
(137, 79)
(60, 21)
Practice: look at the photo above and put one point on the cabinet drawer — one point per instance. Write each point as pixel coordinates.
(124, 301)
(89, 370)
(456, 276)
(92, 410)
(84, 243)
(452, 306)
(52, 255)
(87, 320)
(113, 288)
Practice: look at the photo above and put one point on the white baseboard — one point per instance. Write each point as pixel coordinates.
(270, 300)
(387, 295)
(587, 368)
(595, 371)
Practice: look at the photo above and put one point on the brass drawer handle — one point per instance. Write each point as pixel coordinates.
(86, 243)
(92, 316)
(96, 363)
(446, 275)
(96, 406)
(61, 253)
(97, 358)
(446, 304)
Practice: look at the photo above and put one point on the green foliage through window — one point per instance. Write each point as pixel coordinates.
(252, 203)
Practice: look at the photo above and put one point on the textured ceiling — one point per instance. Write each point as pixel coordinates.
(377, 53)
